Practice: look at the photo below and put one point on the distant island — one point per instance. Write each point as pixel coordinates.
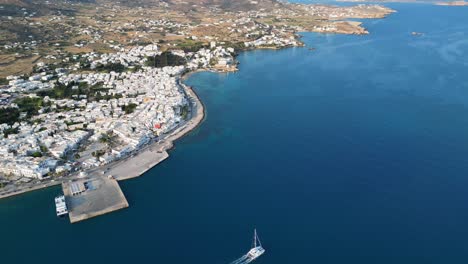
(441, 3)
(453, 3)
(386, 1)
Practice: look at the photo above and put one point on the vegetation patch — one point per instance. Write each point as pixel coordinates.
(30, 105)
(130, 108)
(191, 46)
(184, 112)
(44, 149)
(9, 131)
(98, 153)
(93, 93)
(116, 67)
(9, 115)
(166, 58)
(36, 154)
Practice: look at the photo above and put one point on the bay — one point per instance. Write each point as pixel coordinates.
(355, 152)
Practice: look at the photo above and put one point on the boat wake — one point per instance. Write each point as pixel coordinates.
(242, 260)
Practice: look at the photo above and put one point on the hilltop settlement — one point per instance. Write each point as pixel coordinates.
(87, 87)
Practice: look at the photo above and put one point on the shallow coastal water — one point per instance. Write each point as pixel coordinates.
(356, 152)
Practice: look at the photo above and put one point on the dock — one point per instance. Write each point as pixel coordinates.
(87, 198)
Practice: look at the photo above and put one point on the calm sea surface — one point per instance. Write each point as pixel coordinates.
(356, 152)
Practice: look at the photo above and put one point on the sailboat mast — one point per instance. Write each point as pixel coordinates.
(255, 238)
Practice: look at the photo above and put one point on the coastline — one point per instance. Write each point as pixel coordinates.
(356, 177)
(146, 158)
(154, 153)
(30, 189)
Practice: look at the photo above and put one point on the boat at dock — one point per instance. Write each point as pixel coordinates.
(61, 206)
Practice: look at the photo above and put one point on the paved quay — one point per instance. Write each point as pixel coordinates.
(87, 198)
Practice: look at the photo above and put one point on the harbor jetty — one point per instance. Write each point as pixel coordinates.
(88, 198)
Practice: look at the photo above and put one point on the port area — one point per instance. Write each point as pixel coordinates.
(98, 191)
(87, 198)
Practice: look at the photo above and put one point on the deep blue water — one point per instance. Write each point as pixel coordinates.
(356, 152)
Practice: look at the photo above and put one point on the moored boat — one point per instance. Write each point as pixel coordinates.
(61, 206)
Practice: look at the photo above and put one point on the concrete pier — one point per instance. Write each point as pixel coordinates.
(101, 196)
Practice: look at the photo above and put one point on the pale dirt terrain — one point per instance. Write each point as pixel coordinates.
(104, 23)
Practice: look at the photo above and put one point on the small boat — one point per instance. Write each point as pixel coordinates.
(255, 252)
(417, 33)
(257, 249)
(61, 206)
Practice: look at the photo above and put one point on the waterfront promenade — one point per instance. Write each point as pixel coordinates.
(132, 166)
(153, 154)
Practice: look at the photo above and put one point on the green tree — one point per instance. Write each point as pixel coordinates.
(44, 149)
(9, 115)
(130, 108)
(9, 131)
(37, 154)
(30, 105)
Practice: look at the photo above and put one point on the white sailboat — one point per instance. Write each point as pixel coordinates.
(257, 249)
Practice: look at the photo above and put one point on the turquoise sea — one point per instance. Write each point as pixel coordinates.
(356, 152)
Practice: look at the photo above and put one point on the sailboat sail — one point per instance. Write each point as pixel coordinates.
(257, 239)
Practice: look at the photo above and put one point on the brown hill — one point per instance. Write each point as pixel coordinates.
(228, 5)
(21, 3)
